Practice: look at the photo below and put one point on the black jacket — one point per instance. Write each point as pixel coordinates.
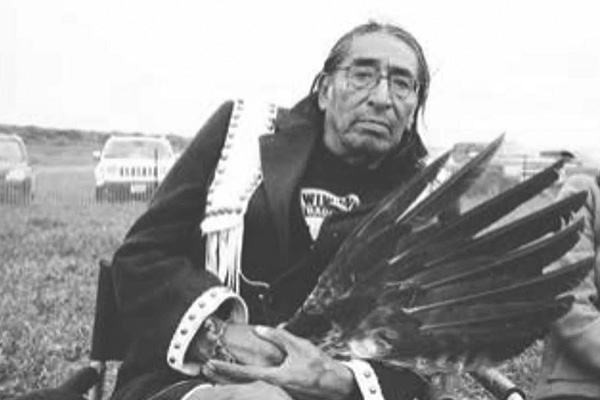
(159, 269)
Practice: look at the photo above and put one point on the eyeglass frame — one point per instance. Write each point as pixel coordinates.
(379, 76)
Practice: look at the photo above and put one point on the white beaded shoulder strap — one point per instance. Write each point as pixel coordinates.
(236, 177)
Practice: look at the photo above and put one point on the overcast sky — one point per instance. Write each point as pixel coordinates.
(528, 68)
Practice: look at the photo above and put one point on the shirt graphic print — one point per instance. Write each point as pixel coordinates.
(318, 204)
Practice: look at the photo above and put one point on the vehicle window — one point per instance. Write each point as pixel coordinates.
(11, 151)
(136, 149)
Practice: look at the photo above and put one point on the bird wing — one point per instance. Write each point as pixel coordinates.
(408, 285)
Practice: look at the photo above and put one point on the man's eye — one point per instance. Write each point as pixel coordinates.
(363, 74)
(402, 83)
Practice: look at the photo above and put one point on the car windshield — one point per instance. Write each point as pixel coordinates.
(148, 149)
(11, 151)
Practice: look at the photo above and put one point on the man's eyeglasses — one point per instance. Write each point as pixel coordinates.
(367, 77)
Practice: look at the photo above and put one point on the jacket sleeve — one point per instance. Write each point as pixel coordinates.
(162, 289)
(375, 381)
(578, 332)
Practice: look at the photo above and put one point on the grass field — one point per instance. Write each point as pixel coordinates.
(48, 257)
(49, 251)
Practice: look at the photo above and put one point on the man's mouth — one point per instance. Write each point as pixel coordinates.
(374, 125)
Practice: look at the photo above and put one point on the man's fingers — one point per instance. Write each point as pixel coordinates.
(236, 372)
(283, 339)
(242, 342)
(214, 377)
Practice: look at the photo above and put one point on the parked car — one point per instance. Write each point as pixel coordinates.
(16, 174)
(132, 167)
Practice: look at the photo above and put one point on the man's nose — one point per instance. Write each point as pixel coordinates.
(380, 95)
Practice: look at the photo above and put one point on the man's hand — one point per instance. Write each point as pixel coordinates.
(306, 373)
(238, 341)
(249, 391)
(247, 348)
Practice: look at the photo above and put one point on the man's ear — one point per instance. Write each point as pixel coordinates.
(325, 92)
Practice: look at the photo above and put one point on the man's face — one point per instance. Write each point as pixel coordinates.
(363, 124)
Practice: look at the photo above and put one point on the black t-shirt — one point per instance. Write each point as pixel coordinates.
(331, 185)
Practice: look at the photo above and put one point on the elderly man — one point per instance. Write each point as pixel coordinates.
(229, 240)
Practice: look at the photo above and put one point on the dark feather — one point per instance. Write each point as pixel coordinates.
(545, 286)
(454, 232)
(398, 201)
(408, 284)
(451, 190)
(525, 261)
(505, 314)
(510, 236)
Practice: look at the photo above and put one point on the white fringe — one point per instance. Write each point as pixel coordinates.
(237, 177)
(224, 255)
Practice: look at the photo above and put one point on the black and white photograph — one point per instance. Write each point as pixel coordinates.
(299, 200)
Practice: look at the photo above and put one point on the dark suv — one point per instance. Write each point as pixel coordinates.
(16, 175)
